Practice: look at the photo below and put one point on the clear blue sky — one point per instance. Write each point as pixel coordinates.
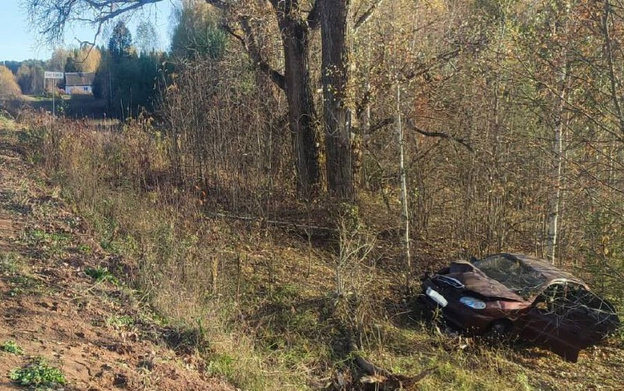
(19, 42)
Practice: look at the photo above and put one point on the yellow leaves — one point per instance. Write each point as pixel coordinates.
(8, 84)
(89, 58)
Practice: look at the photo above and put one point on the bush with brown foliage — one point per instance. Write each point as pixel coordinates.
(8, 84)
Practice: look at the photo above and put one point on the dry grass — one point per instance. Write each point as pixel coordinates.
(260, 301)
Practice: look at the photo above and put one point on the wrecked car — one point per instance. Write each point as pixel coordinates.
(521, 296)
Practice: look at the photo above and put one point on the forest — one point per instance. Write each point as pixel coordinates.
(282, 177)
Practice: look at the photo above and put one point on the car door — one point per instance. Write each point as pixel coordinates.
(559, 321)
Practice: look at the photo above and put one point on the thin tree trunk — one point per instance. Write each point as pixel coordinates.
(404, 201)
(555, 203)
(560, 123)
(608, 52)
(554, 216)
(613, 85)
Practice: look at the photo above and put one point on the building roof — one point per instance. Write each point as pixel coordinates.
(79, 79)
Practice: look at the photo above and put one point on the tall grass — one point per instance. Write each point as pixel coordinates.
(184, 262)
(265, 308)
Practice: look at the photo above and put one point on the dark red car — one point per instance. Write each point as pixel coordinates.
(519, 295)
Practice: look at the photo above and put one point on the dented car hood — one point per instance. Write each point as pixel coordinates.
(476, 281)
(518, 278)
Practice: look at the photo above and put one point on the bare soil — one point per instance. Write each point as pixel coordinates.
(99, 333)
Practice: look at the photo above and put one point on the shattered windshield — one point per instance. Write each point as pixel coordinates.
(513, 273)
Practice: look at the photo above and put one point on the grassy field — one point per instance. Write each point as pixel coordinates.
(75, 106)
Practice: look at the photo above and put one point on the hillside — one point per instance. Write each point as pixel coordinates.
(60, 304)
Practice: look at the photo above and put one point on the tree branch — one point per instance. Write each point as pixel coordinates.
(129, 6)
(366, 16)
(380, 125)
(447, 136)
(49, 17)
(390, 120)
(423, 69)
(249, 43)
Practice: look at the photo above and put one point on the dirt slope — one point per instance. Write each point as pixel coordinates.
(96, 331)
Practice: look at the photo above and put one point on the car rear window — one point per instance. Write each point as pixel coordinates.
(513, 273)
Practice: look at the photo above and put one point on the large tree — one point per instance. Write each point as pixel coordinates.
(197, 33)
(120, 42)
(335, 33)
(295, 21)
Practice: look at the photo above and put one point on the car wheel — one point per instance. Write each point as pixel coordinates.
(499, 330)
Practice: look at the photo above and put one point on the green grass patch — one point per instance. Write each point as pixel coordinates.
(119, 322)
(100, 274)
(9, 263)
(85, 249)
(41, 236)
(47, 243)
(38, 374)
(23, 284)
(12, 347)
(222, 364)
(6, 122)
(14, 274)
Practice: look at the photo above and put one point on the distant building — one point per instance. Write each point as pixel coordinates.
(79, 83)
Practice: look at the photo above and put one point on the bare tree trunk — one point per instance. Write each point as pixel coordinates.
(404, 201)
(555, 203)
(608, 53)
(337, 116)
(560, 123)
(554, 213)
(301, 112)
(614, 82)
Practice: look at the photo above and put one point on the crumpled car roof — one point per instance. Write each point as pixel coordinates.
(510, 276)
